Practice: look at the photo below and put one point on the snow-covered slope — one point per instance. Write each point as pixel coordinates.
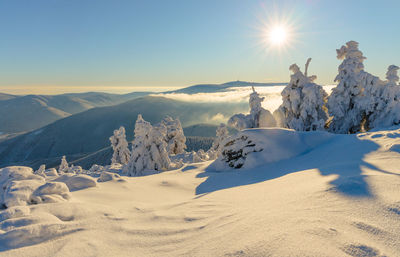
(40, 110)
(88, 131)
(4, 96)
(328, 195)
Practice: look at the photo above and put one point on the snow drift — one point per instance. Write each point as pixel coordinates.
(269, 145)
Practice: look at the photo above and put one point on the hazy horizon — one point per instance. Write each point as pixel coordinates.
(51, 90)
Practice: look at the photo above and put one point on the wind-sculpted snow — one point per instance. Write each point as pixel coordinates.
(77, 182)
(19, 186)
(318, 194)
(20, 191)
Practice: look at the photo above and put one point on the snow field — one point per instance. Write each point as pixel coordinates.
(329, 195)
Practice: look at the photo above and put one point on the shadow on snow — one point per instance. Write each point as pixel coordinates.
(343, 155)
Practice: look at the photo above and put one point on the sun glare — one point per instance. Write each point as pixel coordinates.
(278, 30)
(277, 35)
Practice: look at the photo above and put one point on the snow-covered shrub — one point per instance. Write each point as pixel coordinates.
(200, 156)
(354, 98)
(75, 169)
(303, 103)
(222, 134)
(258, 117)
(96, 168)
(41, 170)
(175, 138)
(149, 152)
(120, 147)
(236, 149)
(63, 168)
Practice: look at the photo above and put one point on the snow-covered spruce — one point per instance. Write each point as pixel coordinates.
(149, 154)
(120, 147)
(354, 98)
(236, 149)
(64, 167)
(258, 117)
(222, 135)
(303, 103)
(387, 112)
(175, 139)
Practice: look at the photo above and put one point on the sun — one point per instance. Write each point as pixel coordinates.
(278, 30)
(277, 35)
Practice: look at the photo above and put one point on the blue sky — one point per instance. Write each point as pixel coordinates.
(85, 45)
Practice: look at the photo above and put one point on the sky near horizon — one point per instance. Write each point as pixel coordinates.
(57, 46)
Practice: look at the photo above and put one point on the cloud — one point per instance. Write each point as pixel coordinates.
(272, 95)
(233, 95)
(219, 117)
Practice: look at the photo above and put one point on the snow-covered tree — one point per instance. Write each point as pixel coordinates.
(149, 152)
(175, 138)
(392, 76)
(63, 168)
(120, 146)
(258, 117)
(222, 134)
(354, 97)
(387, 110)
(303, 102)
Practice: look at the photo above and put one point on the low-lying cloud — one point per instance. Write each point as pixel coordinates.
(272, 95)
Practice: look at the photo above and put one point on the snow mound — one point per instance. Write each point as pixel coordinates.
(77, 182)
(20, 187)
(110, 176)
(17, 185)
(20, 191)
(14, 212)
(254, 147)
(51, 172)
(51, 192)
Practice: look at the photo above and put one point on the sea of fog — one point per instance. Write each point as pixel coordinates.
(272, 95)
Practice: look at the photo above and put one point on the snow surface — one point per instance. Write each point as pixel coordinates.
(318, 194)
